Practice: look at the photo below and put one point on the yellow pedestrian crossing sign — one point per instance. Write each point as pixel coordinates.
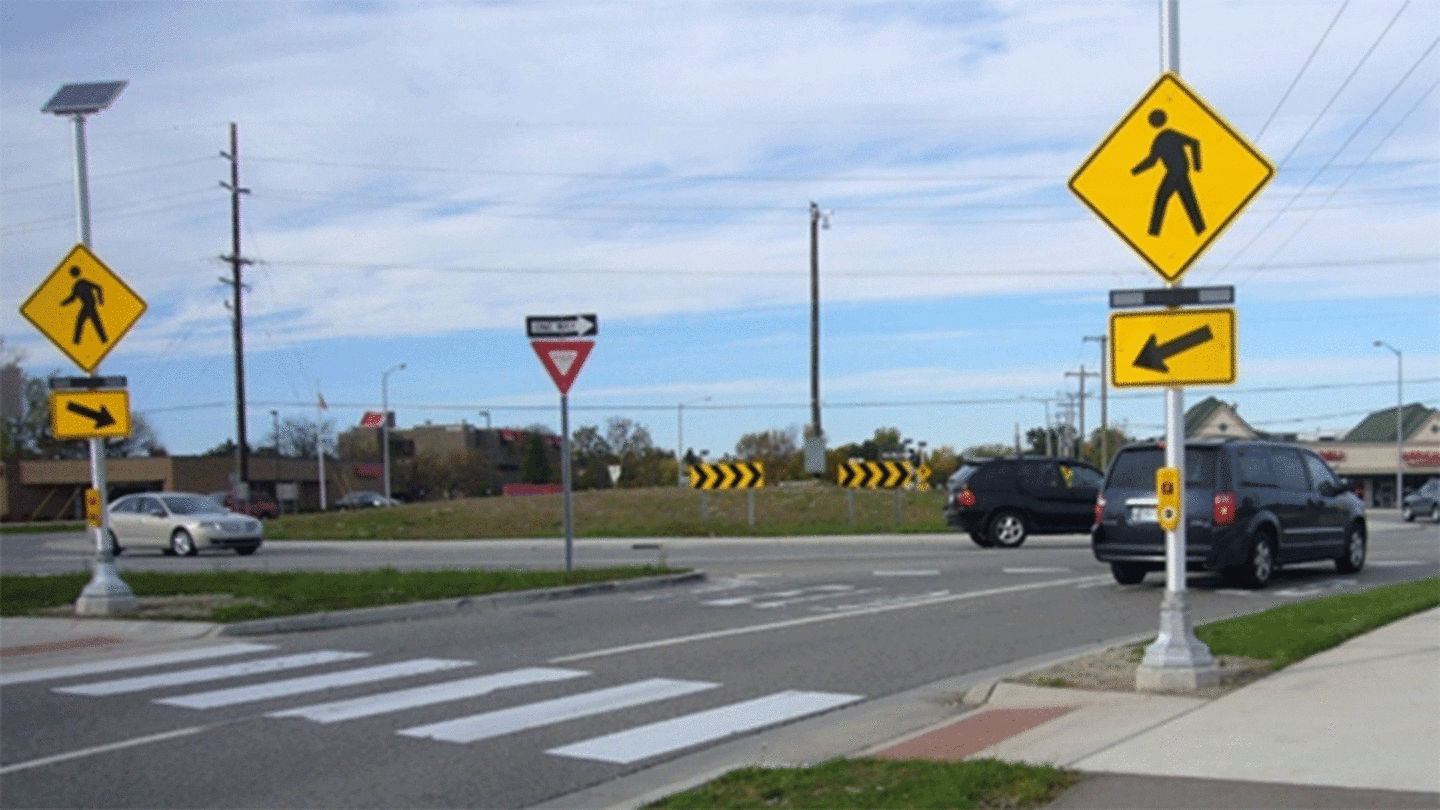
(1170, 177)
(83, 307)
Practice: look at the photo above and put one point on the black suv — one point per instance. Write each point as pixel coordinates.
(1250, 507)
(1002, 501)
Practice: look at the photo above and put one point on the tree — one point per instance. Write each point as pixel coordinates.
(988, 451)
(299, 438)
(778, 450)
(535, 469)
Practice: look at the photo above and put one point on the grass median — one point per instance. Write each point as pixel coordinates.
(1281, 635)
(261, 595)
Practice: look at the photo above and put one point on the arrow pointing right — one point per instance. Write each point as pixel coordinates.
(101, 418)
(1154, 354)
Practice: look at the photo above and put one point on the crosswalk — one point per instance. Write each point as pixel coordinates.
(282, 678)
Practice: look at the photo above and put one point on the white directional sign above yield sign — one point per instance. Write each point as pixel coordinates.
(1172, 347)
(83, 308)
(550, 327)
(1170, 177)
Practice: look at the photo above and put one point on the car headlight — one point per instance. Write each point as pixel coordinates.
(210, 525)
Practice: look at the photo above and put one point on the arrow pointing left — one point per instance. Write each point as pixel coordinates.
(101, 418)
(1154, 354)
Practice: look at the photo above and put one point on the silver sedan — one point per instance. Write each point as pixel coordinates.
(180, 523)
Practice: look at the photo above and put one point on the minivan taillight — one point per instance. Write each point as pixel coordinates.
(965, 498)
(1099, 509)
(1223, 508)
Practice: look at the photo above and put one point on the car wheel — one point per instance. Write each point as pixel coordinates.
(1435, 513)
(247, 550)
(1406, 513)
(1007, 529)
(980, 539)
(1354, 557)
(183, 544)
(115, 548)
(1259, 565)
(1128, 573)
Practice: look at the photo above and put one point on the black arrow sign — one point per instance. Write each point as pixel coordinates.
(101, 418)
(1154, 355)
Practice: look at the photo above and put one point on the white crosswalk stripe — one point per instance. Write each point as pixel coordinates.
(312, 683)
(134, 662)
(643, 742)
(388, 702)
(214, 673)
(544, 713)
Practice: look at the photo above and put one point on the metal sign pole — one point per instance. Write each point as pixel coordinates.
(1177, 659)
(565, 482)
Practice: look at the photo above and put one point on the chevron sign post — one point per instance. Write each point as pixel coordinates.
(728, 475)
(877, 474)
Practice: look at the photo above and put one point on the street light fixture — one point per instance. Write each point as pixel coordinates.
(106, 593)
(385, 424)
(680, 438)
(1399, 422)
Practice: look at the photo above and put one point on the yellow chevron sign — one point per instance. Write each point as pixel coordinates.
(728, 475)
(882, 475)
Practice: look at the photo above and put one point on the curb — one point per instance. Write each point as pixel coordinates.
(444, 607)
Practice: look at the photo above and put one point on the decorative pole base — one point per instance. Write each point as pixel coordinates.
(106, 594)
(1177, 661)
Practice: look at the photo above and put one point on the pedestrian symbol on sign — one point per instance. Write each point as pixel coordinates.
(1169, 148)
(90, 296)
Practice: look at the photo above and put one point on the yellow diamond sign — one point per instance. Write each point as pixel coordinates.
(1170, 177)
(1172, 347)
(83, 307)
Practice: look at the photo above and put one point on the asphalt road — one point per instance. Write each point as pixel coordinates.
(517, 706)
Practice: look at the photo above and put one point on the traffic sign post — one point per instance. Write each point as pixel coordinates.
(563, 360)
(1171, 177)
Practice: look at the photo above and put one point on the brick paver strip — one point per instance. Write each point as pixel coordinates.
(972, 734)
(55, 646)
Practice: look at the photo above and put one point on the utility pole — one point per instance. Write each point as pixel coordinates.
(818, 219)
(1103, 340)
(242, 451)
(1082, 374)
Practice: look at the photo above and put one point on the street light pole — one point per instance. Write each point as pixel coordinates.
(385, 424)
(1399, 423)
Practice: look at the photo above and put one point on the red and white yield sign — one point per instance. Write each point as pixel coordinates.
(563, 359)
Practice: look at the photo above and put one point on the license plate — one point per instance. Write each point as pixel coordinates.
(1142, 514)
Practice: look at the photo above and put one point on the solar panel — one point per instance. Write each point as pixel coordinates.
(89, 97)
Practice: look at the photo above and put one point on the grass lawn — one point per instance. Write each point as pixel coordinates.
(289, 594)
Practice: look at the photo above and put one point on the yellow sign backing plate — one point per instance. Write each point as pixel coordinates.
(1172, 347)
(1168, 184)
(90, 414)
(83, 307)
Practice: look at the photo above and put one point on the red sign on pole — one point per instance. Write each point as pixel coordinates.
(563, 359)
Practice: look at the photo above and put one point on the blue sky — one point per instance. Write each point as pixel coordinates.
(424, 175)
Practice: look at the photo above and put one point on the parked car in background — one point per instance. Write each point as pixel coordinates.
(1423, 501)
(1000, 502)
(256, 507)
(364, 499)
(1250, 507)
(180, 523)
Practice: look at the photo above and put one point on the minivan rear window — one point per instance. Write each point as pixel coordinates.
(1135, 469)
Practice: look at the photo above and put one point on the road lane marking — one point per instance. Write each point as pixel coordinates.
(137, 662)
(371, 705)
(534, 715)
(824, 617)
(927, 572)
(1039, 569)
(101, 749)
(214, 673)
(312, 683)
(643, 742)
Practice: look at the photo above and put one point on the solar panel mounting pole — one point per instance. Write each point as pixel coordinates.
(1177, 660)
(106, 593)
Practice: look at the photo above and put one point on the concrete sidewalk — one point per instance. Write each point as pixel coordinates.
(1356, 726)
